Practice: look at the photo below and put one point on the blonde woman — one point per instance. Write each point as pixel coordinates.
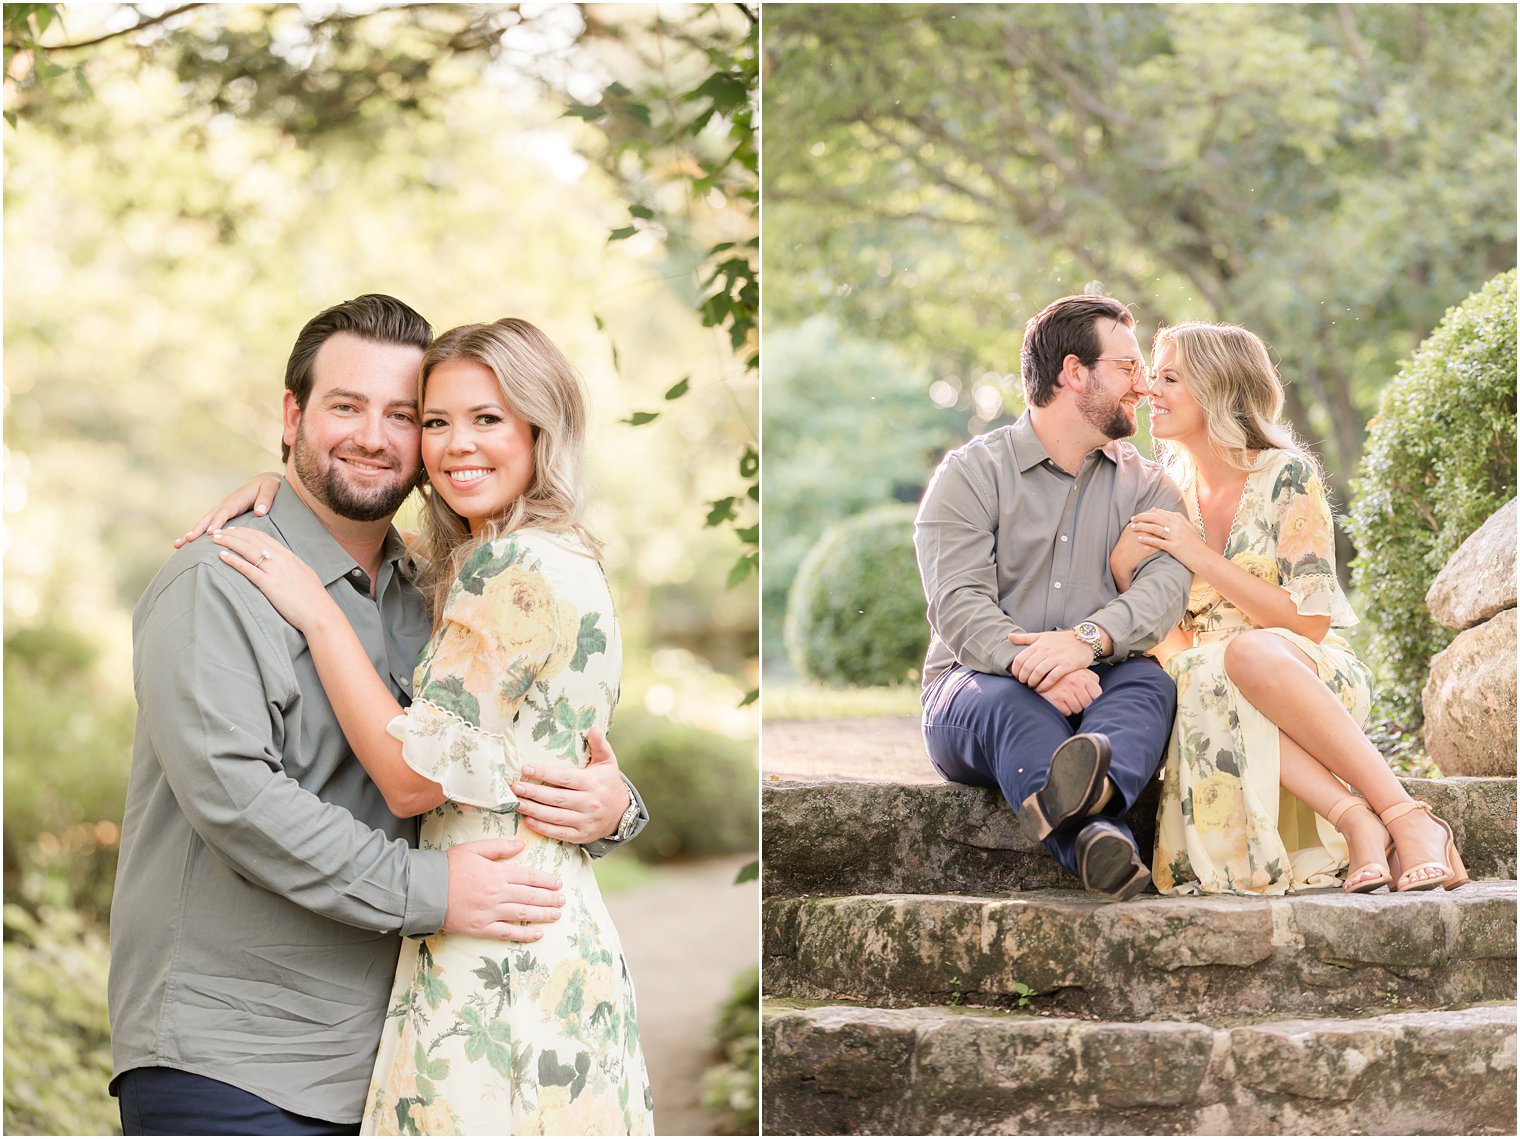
(1271, 698)
(483, 1037)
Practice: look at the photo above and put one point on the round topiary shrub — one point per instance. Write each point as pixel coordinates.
(855, 614)
(1440, 459)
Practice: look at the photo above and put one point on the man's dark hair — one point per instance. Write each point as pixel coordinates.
(1067, 327)
(374, 316)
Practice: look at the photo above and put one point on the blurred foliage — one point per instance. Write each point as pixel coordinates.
(57, 1033)
(1332, 176)
(731, 1087)
(856, 612)
(847, 426)
(699, 787)
(183, 190)
(1439, 462)
(68, 741)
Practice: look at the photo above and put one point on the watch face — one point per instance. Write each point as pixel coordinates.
(1086, 630)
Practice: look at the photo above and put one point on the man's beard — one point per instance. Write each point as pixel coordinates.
(327, 486)
(1112, 420)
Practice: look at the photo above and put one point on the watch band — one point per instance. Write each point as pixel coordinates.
(625, 823)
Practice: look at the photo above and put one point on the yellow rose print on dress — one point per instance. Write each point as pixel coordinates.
(1257, 565)
(1215, 830)
(481, 1038)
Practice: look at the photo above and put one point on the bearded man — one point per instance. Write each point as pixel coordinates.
(1034, 682)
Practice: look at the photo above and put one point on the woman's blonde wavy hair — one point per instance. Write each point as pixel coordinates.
(1230, 373)
(540, 386)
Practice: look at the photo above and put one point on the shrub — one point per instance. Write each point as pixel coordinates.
(68, 746)
(699, 787)
(856, 611)
(1440, 459)
(57, 1033)
(731, 1087)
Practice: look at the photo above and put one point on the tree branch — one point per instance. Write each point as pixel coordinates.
(137, 27)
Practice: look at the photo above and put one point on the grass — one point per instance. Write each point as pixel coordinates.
(621, 873)
(811, 702)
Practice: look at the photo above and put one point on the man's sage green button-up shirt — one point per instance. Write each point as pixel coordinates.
(1009, 541)
(262, 883)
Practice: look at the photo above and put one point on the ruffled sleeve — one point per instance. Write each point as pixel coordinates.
(500, 631)
(1306, 544)
(473, 766)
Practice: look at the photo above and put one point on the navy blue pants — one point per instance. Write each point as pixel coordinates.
(994, 731)
(166, 1101)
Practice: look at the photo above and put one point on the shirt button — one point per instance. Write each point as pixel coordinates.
(1063, 537)
(360, 572)
(1058, 585)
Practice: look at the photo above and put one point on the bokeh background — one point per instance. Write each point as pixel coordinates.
(1334, 177)
(184, 187)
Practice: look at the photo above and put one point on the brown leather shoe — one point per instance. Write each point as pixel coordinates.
(1078, 769)
(1110, 861)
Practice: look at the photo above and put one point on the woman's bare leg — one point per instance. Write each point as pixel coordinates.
(1308, 781)
(1282, 683)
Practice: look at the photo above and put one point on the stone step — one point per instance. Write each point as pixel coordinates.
(1187, 958)
(944, 1071)
(871, 838)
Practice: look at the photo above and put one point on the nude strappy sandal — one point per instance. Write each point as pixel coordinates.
(1454, 874)
(1337, 812)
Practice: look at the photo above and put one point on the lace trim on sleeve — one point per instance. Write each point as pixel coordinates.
(473, 766)
(1319, 595)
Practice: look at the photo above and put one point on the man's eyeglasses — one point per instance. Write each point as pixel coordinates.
(1130, 365)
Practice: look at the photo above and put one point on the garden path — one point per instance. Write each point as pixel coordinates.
(686, 936)
(878, 749)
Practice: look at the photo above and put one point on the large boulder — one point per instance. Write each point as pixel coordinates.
(1470, 700)
(1479, 580)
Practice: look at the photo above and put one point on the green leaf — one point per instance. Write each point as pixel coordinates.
(601, 325)
(590, 112)
(749, 534)
(742, 568)
(10, 117)
(750, 697)
(749, 463)
(679, 389)
(622, 233)
(589, 641)
(748, 872)
(722, 510)
(639, 418)
(641, 212)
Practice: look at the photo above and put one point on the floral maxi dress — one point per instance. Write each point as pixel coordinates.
(1226, 825)
(486, 1037)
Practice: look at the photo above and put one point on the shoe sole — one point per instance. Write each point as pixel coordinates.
(1109, 866)
(1074, 782)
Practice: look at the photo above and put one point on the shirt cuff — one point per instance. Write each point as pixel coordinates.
(601, 846)
(427, 894)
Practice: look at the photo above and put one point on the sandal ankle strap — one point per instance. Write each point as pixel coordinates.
(1396, 812)
(1341, 806)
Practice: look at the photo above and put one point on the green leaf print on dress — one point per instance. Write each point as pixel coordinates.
(1226, 825)
(539, 1039)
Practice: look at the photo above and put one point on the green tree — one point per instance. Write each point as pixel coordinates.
(1331, 176)
(848, 425)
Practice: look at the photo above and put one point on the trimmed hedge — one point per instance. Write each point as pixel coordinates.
(855, 615)
(1440, 459)
(699, 787)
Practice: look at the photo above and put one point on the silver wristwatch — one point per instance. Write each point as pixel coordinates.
(626, 824)
(1091, 636)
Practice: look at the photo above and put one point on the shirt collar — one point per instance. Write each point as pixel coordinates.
(1030, 452)
(303, 532)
